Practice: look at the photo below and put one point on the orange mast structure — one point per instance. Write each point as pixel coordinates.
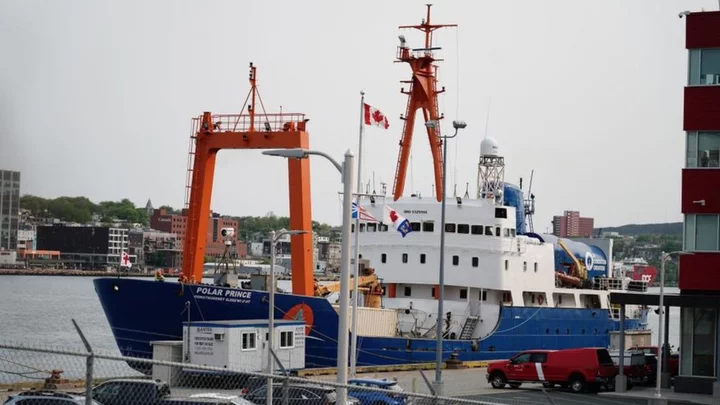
(210, 134)
(422, 94)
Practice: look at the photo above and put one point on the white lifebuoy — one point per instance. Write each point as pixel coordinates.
(589, 260)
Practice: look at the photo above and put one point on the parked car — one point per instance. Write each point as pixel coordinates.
(298, 394)
(392, 394)
(638, 366)
(129, 391)
(45, 398)
(579, 369)
(673, 359)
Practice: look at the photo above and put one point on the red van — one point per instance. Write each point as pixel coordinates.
(579, 369)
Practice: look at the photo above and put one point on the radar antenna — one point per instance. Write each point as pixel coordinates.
(529, 204)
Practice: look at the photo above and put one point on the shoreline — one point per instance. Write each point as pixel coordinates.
(98, 273)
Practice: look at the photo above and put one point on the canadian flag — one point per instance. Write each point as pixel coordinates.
(125, 260)
(373, 116)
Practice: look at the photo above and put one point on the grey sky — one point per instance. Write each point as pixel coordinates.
(96, 97)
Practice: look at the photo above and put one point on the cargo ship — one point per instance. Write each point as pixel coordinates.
(507, 288)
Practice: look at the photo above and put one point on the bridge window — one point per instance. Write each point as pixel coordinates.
(352, 227)
(362, 227)
(422, 258)
(463, 228)
(476, 229)
(383, 258)
(428, 227)
(475, 261)
(507, 265)
(450, 228)
(383, 228)
(512, 232)
(497, 231)
(535, 267)
(483, 295)
(506, 232)
(524, 266)
(408, 291)
(405, 258)
(488, 231)
(372, 227)
(463, 293)
(415, 226)
(456, 260)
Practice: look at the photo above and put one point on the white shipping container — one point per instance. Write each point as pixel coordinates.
(242, 344)
(376, 322)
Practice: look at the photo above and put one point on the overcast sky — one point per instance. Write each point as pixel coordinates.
(96, 97)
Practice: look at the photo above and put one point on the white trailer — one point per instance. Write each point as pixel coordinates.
(242, 345)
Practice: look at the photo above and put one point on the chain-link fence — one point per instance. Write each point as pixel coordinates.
(42, 375)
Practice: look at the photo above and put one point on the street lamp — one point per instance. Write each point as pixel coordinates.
(662, 350)
(271, 309)
(346, 169)
(441, 282)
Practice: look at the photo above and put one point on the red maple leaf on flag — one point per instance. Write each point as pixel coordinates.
(378, 116)
(393, 216)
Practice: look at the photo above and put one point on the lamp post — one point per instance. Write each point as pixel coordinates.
(441, 282)
(662, 350)
(346, 169)
(271, 309)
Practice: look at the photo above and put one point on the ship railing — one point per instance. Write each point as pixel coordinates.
(275, 122)
(38, 370)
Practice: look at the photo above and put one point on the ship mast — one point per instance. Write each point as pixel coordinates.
(421, 95)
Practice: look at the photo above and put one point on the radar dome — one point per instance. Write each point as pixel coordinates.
(489, 147)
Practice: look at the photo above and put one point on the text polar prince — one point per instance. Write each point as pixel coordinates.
(223, 294)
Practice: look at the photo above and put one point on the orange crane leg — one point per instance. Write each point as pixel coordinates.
(301, 246)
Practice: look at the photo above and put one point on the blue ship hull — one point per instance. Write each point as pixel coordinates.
(141, 311)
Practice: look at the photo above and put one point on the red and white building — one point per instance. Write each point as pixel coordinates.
(699, 273)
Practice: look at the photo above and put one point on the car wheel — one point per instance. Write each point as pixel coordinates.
(497, 380)
(577, 384)
(515, 385)
(610, 385)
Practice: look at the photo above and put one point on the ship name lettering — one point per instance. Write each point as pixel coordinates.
(414, 211)
(209, 291)
(238, 293)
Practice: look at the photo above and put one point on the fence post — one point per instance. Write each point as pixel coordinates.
(285, 395)
(88, 367)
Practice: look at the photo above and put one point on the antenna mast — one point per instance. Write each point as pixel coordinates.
(421, 95)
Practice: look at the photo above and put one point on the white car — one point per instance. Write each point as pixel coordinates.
(46, 398)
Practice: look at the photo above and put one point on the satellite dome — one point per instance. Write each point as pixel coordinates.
(489, 147)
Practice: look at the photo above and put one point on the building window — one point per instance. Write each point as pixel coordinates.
(475, 261)
(456, 260)
(463, 228)
(463, 293)
(703, 149)
(287, 339)
(248, 341)
(476, 229)
(699, 328)
(408, 291)
(405, 258)
(428, 227)
(702, 232)
(422, 258)
(704, 67)
(383, 258)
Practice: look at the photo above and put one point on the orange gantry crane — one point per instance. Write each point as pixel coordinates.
(247, 130)
(422, 94)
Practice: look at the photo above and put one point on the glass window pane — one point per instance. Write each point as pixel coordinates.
(689, 232)
(710, 66)
(708, 149)
(694, 67)
(705, 324)
(706, 232)
(692, 151)
(686, 336)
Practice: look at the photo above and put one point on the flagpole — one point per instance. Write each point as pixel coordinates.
(353, 327)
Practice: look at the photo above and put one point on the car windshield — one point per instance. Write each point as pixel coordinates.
(395, 388)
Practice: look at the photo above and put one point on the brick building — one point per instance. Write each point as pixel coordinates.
(161, 220)
(571, 224)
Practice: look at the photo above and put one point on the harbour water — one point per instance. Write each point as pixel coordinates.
(38, 310)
